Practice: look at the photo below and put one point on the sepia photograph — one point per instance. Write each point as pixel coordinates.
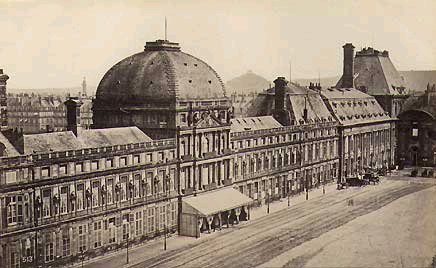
(217, 133)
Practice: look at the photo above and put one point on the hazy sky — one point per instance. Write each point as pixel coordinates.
(56, 43)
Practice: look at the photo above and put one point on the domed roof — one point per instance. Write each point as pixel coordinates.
(162, 73)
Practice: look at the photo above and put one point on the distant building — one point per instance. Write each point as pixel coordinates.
(417, 130)
(3, 100)
(372, 72)
(33, 113)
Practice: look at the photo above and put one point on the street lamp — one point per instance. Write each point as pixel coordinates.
(167, 183)
(267, 200)
(323, 185)
(126, 222)
(307, 188)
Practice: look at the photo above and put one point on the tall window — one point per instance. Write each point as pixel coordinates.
(66, 243)
(138, 223)
(123, 189)
(14, 209)
(112, 231)
(82, 237)
(80, 193)
(151, 219)
(64, 200)
(49, 249)
(97, 234)
(46, 203)
(95, 193)
(109, 190)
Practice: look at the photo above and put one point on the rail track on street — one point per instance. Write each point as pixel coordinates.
(253, 243)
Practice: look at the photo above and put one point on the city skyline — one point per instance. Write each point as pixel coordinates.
(50, 44)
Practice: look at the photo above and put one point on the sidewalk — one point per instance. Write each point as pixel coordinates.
(154, 247)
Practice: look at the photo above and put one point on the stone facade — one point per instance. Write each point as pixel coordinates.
(417, 130)
(33, 114)
(80, 193)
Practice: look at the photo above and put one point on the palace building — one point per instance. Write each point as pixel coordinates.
(167, 155)
(417, 130)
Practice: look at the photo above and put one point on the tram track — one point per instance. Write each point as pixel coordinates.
(251, 244)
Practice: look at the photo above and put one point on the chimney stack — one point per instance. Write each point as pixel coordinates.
(348, 73)
(3, 100)
(279, 100)
(73, 114)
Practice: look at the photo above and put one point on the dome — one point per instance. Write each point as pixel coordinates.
(161, 73)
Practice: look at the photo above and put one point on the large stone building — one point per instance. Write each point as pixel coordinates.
(372, 72)
(166, 156)
(417, 130)
(366, 132)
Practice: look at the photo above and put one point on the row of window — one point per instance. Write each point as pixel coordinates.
(102, 164)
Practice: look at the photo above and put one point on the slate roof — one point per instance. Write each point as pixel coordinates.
(351, 106)
(374, 71)
(253, 123)
(93, 138)
(10, 149)
(50, 142)
(160, 73)
(297, 98)
(111, 136)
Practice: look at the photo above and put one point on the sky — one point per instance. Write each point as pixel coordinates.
(52, 44)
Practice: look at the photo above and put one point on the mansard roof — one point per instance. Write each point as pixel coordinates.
(375, 73)
(351, 106)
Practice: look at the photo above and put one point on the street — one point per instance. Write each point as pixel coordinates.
(279, 239)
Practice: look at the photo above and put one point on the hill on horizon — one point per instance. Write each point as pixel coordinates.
(247, 83)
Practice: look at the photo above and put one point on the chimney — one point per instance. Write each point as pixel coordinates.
(73, 114)
(348, 73)
(279, 101)
(3, 100)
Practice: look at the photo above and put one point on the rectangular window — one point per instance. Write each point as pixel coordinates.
(94, 165)
(414, 132)
(79, 196)
(45, 172)
(66, 243)
(11, 176)
(112, 231)
(109, 162)
(82, 238)
(62, 169)
(49, 252)
(136, 159)
(149, 158)
(95, 193)
(109, 190)
(138, 223)
(97, 234)
(64, 200)
(46, 203)
(160, 156)
(79, 167)
(151, 219)
(123, 161)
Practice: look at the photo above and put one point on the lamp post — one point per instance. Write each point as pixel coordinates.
(267, 200)
(307, 188)
(323, 185)
(126, 222)
(167, 184)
